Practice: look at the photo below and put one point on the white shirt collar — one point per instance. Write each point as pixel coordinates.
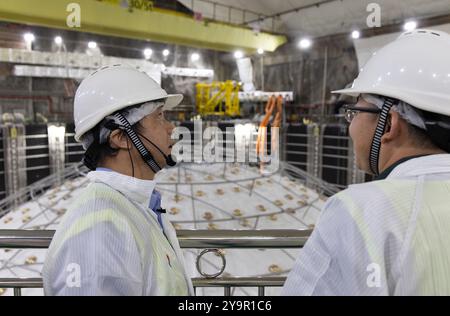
(137, 190)
(422, 166)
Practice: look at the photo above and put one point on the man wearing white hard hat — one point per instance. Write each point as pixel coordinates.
(390, 236)
(115, 239)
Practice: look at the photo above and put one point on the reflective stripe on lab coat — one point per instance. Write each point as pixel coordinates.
(115, 243)
(388, 237)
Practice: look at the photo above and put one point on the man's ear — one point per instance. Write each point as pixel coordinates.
(394, 127)
(118, 139)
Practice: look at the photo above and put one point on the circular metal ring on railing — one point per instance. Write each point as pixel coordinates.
(219, 253)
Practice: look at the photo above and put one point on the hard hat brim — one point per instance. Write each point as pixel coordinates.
(171, 101)
(349, 92)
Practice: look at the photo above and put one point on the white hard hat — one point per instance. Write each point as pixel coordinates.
(113, 88)
(415, 69)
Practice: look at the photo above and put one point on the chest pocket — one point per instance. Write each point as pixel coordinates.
(167, 268)
(162, 260)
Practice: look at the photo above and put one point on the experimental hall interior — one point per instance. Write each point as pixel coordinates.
(258, 77)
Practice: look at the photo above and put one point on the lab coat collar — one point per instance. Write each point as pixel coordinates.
(388, 170)
(433, 164)
(137, 190)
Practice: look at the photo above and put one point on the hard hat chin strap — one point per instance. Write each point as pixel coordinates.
(374, 157)
(143, 151)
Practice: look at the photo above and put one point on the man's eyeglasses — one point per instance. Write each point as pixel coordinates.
(351, 111)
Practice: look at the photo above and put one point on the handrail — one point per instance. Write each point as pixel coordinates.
(17, 284)
(25, 239)
(242, 238)
(36, 283)
(239, 282)
(192, 239)
(29, 283)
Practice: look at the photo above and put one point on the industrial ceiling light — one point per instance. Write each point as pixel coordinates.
(195, 57)
(260, 51)
(148, 53)
(29, 37)
(166, 52)
(92, 45)
(58, 40)
(410, 26)
(356, 34)
(238, 54)
(305, 43)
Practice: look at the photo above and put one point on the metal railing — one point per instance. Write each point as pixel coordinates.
(188, 239)
(39, 187)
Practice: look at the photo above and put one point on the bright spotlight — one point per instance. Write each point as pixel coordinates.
(58, 40)
(92, 45)
(195, 57)
(356, 34)
(148, 53)
(238, 54)
(305, 43)
(410, 26)
(29, 37)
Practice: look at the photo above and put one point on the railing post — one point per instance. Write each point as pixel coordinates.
(227, 291)
(17, 291)
(261, 291)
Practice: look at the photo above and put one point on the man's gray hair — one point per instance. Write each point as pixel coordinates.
(410, 114)
(133, 114)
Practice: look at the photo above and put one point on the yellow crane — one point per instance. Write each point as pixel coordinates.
(218, 98)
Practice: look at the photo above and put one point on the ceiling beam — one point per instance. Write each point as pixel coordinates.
(296, 10)
(156, 25)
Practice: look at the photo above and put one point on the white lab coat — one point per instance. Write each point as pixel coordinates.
(110, 243)
(387, 237)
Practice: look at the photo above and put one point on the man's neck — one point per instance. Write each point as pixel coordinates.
(128, 170)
